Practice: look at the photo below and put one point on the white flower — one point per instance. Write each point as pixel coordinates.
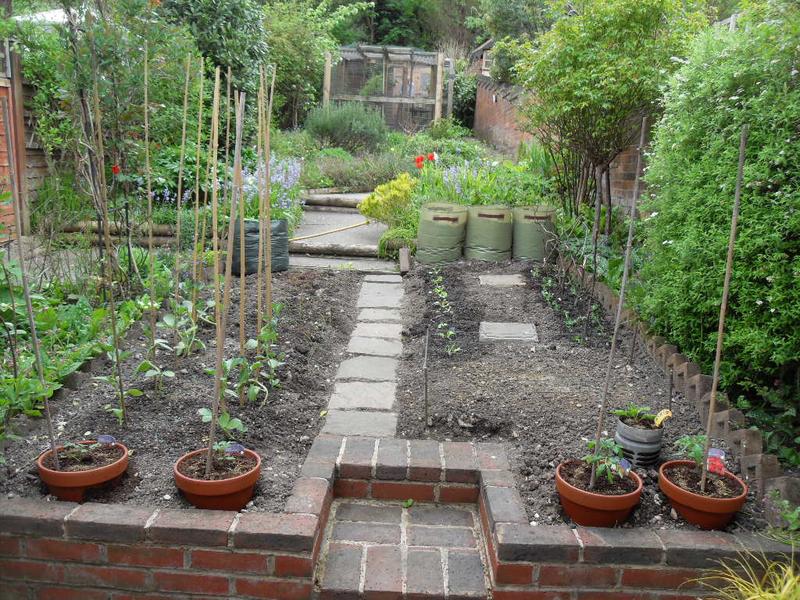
(667, 242)
(759, 302)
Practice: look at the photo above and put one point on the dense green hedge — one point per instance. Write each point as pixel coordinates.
(748, 76)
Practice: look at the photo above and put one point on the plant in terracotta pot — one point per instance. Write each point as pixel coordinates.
(222, 475)
(609, 500)
(681, 482)
(82, 465)
(640, 433)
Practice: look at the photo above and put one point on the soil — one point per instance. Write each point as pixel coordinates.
(540, 399)
(319, 314)
(93, 457)
(639, 423)
(579, 474)
(717, 486)
(227, 468)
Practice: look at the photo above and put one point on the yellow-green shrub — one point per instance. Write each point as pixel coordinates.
(390, 202)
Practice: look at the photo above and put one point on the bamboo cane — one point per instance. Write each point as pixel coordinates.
(37, 351)
(268, 198)
(180, 185)
(261, 225)
(200, 103)
(148, 178)
(623, 285)
(723, 308)
(227, 135)
(215, 246)
(237, 182)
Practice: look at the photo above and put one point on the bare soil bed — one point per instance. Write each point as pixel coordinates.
(539, 399)
(314, 327)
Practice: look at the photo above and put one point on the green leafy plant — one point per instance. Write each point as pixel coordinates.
(693, 447)
(155, 373)
(607, 458)
(635, 413)
(229, 425)
(112, 380)
(351, 126)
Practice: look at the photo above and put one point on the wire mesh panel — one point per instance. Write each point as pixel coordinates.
(400, 82)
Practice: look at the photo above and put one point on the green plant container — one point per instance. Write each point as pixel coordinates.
(489, 231)
(533, 231)
(440, 238)
(280, 246)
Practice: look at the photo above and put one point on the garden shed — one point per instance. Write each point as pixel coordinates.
(405, 84)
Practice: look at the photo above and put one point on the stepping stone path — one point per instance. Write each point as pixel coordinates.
(388, 550)
(502, 280)
(365, 388)
(507, 332)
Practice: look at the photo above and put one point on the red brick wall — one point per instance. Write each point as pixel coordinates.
(497, 119)
(623, 177)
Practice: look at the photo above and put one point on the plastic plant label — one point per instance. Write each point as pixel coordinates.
(662, 416)
(624, 467)
(716, 461)
(106, 439)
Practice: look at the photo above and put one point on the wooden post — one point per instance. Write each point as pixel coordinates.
(451, 78)
(723, 308)
(437, 108)
(326, 82)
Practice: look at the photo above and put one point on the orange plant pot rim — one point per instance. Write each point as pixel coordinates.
(608, 502)
(696, 501)
(217, 487)
(86, 478)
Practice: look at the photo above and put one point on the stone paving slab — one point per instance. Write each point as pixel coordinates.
(374, 346)
(507, 332)
(383, 279)
(369, 368)
(389, 290)
(354, 422)
(301, 262)
(370, 301)
(502, 280)
(389, 331)
(380, 315)
(369, 395)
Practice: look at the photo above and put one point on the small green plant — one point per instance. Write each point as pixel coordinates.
(113, 381)
(693, 447)
(228, 424)
(789, 531)
(635, 413)
(152, 372)
(754, 577)
(607, 459)
(351, 126)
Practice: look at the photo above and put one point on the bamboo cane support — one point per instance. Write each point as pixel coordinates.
(180, 185)
(148, 178)
(197, 191)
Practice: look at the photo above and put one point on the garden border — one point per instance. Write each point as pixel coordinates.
(730, 424)
(100, 551)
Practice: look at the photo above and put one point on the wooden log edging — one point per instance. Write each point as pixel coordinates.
(761, 469)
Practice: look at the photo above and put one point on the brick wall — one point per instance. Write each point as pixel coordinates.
(60, 550)
(623, 177)
(497, 118)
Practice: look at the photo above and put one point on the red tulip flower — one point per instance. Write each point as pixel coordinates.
(431, 157)
(116, 170)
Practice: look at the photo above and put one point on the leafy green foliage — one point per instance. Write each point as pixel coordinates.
(731, 78)
(635, 412)
(228, 424)
(693, 447)
(607, 458)
(350, 125)
(390, 202)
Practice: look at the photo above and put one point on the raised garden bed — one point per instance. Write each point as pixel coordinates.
(539, 398)
(319, 311)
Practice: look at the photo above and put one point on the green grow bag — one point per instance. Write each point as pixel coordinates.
(440, 237)
(533, 229)
(280, 246)
(489, 232)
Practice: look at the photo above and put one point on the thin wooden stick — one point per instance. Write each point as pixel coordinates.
(217, 303)
(227, 135)
(237, 182)
(148, 178)
(623, 285)
(268, 198)
(200, 103)
(226, 299)
(37, 351)
(723, 308)
(261, 227)
(180, 186)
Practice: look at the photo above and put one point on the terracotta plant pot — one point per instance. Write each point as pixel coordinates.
(222, 494)
(704, 511)
(597, 510)
(71, 485)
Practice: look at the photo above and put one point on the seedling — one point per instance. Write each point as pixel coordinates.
(226, 423)
(155, 373)
(693, 447)
(635, 413)
(116, 358)
(607, 459)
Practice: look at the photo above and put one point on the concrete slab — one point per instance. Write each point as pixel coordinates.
(389, 331)
(383, 279)
(372, 395)
(393, 290)
(380, 315)
(507, 332)
(368, 368)
(371, 301)
(502, 280)
(368, 265)
(366, 423)
(374, 346)
(315, 221)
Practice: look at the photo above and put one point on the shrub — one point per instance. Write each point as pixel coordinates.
(731, 78)
(362, 174)
(390, 203)
(447, 129)
(351, 126)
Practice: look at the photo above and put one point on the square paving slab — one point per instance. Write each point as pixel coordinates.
(366, 541)
(366, 395)
(508, 332)
(356, 422)
(502, 280)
